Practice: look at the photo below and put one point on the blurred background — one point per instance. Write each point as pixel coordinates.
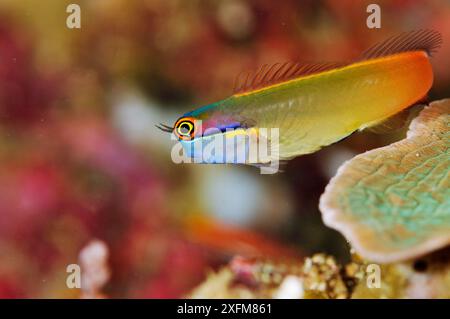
(81, 159)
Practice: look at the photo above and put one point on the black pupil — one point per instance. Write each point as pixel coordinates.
(185, 128)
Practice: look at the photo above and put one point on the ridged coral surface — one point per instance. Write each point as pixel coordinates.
(393, 203)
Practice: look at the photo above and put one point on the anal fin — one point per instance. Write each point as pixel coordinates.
(397, 121)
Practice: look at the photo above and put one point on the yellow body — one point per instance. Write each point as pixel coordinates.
(322, 108)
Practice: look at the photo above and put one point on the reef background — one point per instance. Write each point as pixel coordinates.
(86, 178)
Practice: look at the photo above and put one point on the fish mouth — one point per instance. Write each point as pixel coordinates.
(165, 128)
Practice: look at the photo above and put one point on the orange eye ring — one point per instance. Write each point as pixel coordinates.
(185, 128)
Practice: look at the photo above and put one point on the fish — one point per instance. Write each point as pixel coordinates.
(310, 105)
(233, 240)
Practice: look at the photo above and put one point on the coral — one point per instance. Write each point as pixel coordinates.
(393, 203)
(318, 276)
(427, 277)
(95, 270)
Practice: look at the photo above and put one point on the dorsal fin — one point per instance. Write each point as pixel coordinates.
(420, 40)
(276, 73)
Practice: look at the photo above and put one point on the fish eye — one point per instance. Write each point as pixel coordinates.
(185, 129)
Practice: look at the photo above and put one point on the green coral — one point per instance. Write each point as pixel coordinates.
(393, 203)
